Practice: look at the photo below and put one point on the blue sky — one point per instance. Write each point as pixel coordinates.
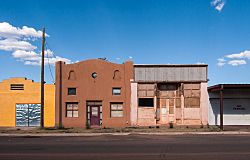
(214, 32)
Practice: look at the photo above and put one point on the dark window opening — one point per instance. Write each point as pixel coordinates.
(17, 87)
(167, 86)
(146, 102)
(71, 91)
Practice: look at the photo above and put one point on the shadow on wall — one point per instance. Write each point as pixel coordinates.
(236, 110)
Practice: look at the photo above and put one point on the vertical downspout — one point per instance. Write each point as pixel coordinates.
(60, 95)
(221, 107)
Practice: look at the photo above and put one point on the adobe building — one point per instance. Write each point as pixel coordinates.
(229, 104)
(20, 103)
(93, 92)
(98, 93)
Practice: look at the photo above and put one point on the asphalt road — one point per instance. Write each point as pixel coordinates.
(129, 147)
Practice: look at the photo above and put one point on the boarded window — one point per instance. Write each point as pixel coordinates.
(192, 95)
(72, 109)
(192, 102)
(171, 110)
(178, 102)
(116, 110)
(146, 102)
(17, 87)
(116, 91)
(146, 90)
(71, 91)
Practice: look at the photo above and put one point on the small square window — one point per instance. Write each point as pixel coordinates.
(71, 91)
(116, 91)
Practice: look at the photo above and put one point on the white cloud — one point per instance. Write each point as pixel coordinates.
(200, 63)
(235, 59)
(245, 54)
(55, 59)
(218, 4)
(237, 62)
(14, 44)
(26, 55)
(33, 58)
(9, 31)
(19, 42)
(221, 61)
(130, 57)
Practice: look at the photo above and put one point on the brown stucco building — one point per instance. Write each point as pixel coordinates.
(93, 92)
(100, 93)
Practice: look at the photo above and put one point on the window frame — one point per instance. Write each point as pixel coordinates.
(116, 110)
(71, 88)
(71, 110)
(116, 88)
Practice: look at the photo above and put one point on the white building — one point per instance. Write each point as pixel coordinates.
(230, 100)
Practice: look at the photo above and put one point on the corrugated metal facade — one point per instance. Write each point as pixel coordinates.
(170, 73)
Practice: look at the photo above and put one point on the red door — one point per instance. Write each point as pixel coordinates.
(95, 115)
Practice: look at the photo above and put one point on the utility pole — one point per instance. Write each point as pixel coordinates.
(42, 80)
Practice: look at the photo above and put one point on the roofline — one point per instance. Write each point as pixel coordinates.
(219, 87)
(170, 65)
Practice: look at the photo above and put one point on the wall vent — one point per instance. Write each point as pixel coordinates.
(17, 87)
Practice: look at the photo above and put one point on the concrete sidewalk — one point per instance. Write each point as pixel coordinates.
(121, 134)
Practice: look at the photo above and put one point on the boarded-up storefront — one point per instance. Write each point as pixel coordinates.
(170, 94)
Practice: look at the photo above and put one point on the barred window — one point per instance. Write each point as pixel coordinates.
(72, 109)
(116, 109)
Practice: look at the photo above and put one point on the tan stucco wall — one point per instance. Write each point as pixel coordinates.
(30, 94)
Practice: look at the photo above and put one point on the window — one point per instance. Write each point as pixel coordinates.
(71, 91)
(72, 109)
(116, 110)
(17, 87)
(146, 102)
(116, 91)
(167, 86)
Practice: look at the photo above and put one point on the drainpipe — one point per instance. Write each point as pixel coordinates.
(60, 94)
(221, 106)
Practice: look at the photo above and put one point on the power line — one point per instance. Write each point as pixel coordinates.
(51, 74)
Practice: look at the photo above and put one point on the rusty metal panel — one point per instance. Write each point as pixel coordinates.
(170, 73)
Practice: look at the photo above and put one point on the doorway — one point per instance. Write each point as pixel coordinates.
(94, 113)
